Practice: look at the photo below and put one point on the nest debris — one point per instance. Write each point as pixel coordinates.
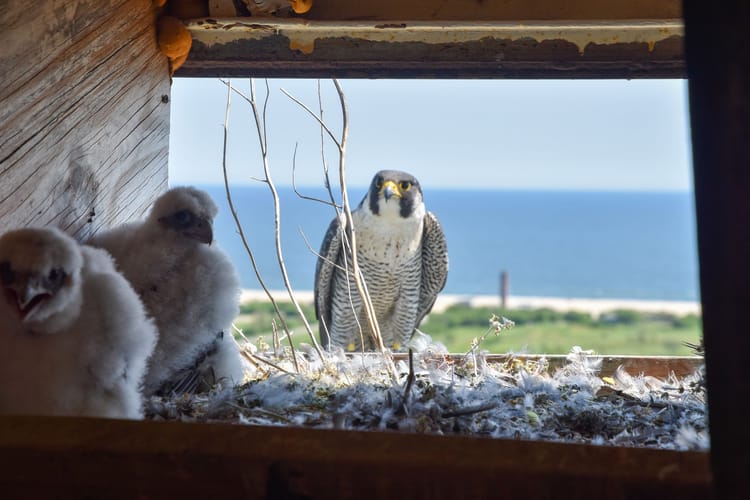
(441, 394)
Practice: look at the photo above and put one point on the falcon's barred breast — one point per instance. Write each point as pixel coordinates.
(402, 254)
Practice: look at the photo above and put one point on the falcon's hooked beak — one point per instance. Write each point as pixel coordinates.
(200, 230)
(190, 226)
(26, 294)
(390, 189)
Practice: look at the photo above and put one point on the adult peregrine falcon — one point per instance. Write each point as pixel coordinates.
(403, 257)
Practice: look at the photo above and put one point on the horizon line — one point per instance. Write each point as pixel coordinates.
(689, 190)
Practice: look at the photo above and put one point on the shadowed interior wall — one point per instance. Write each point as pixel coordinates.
(84, 113)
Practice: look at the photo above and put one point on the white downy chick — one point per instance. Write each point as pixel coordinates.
(74, 337)
(189, 286)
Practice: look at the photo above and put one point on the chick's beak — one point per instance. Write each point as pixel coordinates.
(26, 294)
(201, 231)
(389, 189)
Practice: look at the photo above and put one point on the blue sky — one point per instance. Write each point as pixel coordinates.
(492, 134)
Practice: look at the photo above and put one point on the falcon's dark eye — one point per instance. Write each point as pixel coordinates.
(183, 217)
(379, 182)
(404, 185)
(6, 273)
(55, 278)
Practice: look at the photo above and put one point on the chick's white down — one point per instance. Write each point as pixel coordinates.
(74, 337)
(187, 284)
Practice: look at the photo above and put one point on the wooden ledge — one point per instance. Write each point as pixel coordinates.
(61, 457)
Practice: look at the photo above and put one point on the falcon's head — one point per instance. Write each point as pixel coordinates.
(185, 211)
(393, 192)
(40, 271)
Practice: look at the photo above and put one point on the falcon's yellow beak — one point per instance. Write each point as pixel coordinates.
(389, 189)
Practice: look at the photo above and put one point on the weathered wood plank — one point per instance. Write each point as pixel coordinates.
(407, 48)
(84, 113)
(168, 459)
(718, 63)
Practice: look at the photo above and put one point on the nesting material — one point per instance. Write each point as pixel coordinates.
(446, 395)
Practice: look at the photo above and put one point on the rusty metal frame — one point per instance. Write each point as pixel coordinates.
(264, 47)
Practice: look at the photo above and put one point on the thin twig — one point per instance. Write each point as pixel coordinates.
(347, 229)
(409, 383)
(318, 119)
(351, 233)
(271, 364)
(498, 324)
(469, 410)
(294, 184)
(323, 149)
(277, 225)
(316, 253)
(237, 222)
(260, 121)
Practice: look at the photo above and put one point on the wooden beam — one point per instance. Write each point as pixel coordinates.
(462, 10)
(84, 113)
(718, 64)
(408, 48)
(100, 458)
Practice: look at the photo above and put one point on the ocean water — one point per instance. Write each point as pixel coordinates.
(633, 245)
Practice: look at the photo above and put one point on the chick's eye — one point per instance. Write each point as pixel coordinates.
(55, 275)
(182, 216)
(404, 185)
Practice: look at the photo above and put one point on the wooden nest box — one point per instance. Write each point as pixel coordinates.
(84, 135)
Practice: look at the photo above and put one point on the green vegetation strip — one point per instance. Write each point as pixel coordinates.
(543, 331)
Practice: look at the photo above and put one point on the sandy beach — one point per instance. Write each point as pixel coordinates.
(592, 306)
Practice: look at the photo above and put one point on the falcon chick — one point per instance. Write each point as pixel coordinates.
(189, 286)
(74, 336)
(402, 255)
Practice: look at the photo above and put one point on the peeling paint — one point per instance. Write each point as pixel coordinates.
(305, 48)
(303, 34)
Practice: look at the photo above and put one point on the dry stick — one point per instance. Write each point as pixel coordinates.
(344, 239)
(409, 382)
(277, 221)
(294, 184)
(240, 229)
(358, 278)
(470, 410)
(323, 151)
(349, 226)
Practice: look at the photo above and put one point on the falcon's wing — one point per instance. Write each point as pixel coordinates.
(434, 264)
(324, 272)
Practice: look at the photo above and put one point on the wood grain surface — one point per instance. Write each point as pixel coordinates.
(84, 113)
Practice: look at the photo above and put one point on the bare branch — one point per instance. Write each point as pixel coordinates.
(469, 410)
(317, 118)
(277, 226)
(323, 150)
(317, 254)
(349, 229)
(294, 184)
(409, 383)
(239, 224)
